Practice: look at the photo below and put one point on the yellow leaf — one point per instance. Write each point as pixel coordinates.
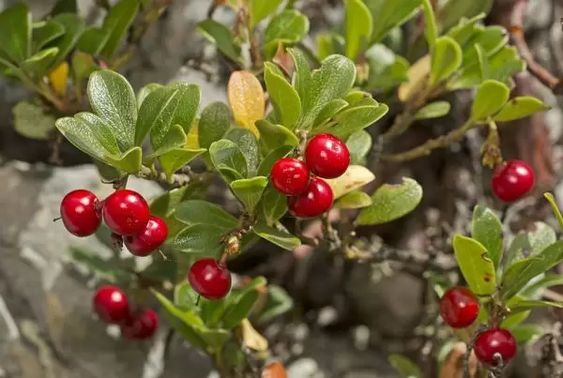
(354, 178)
(58, 78)
(418, 75)
(246, 98)
(192, 140)
(251, 338)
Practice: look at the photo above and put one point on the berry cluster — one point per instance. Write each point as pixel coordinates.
(210, 278)
(309, 195)
(125, 212)
(112, 306)
(459, 308)
(512, 180)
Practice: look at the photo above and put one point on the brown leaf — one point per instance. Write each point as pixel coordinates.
(453, 366)
(274, 370)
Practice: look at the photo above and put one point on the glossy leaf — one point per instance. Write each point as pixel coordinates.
(486, 228)
(277, 236)
(275, 136)
(354, 178)
(446, 59)
(272, 206)
(329, 111)
(74, 28)
(287, 27)
(519, 274)
(214, 122)
(302, 78)
(249, 191)
(129, 161)
(433, 110)
(221, 36)
(390, 202)
(248, 145)
(44, 32)
(283, 96)
(32, 121)
(228, 159)
(15, 33)
(246, 98)
(202, 239)
(359, 27)
(268, 162)
(176, 158)
(354, 119)
(116, 24)
(194, 212)
(475, 265)
(520, 107)
(490, 97)
(37, 65)
(113, 100)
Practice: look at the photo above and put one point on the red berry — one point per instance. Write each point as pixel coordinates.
(111, 304)
(459, 307)
(316, 199)
(80, 212)
(512, 180)
(209, 278)
(141, 325)
(126, 212)
(290, 176)
(152, 237)
(327, 156)
(492, 341)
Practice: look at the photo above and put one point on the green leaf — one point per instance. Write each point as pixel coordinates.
(433, 110)
(275, 136)
(287, 27)
(329, 111)
(176, 158)
(302, 78)
(554, 207)
(278, 303)
(354, 178)
(116, 24)
(165, 107)
(83, 65)
(221, 36)
(201, 239)
(353, 200)
(430, 27)
(248, 145)
(92, 40)
(404, 366)
(283, 96)
(32, 121)
(112, 98)
(277, 236)
(549, 280)
(451, 13)
(90, 134)
(527, 333)
(268, 162)
(386, 69)
(74, 28)
(214, 122)
(486, 228)
(520, 107)
(185, 322)
(176, 138)
(446, 59)
(102, 269)
(359, 144)
(228, 159)
(64, 6)
(130, 161)
(475, 265)
(388, 14)
(241, 303)
(390, 202)
(37, 65)
(332, 80)
(44, 32)
(194, 212)
(272, 206)
(525, 305)
(354, 119)
(490, 97)
(359, 27)
(249, 191)
(15, 33)
(260, 9)
(519, 274)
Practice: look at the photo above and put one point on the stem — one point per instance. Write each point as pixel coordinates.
(426, 148)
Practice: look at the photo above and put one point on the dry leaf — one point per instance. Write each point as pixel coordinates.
(274, 370)
(453, 366)
(417, 74)
(246, 98)
(251, 338)
(58, 78)
(354, 178)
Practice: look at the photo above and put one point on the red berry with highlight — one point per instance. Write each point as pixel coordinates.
(492, 341)
(111, 304)
(316, 200)
(327, 156)
(80, 212)
(459, 307)
(290, 176)
(209, 278)
(141, 325)
(126, 212)
(148, 240)
(512, 180)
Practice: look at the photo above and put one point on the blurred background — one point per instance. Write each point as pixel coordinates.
(350, 316)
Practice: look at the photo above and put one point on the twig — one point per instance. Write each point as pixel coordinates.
(516, 29)
(426, 148)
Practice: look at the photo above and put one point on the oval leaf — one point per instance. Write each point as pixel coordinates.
(489, 99)
(246, 99)
(475, 265)
(520, 107)
(446, 59)
(354, 178)
(486, 228)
